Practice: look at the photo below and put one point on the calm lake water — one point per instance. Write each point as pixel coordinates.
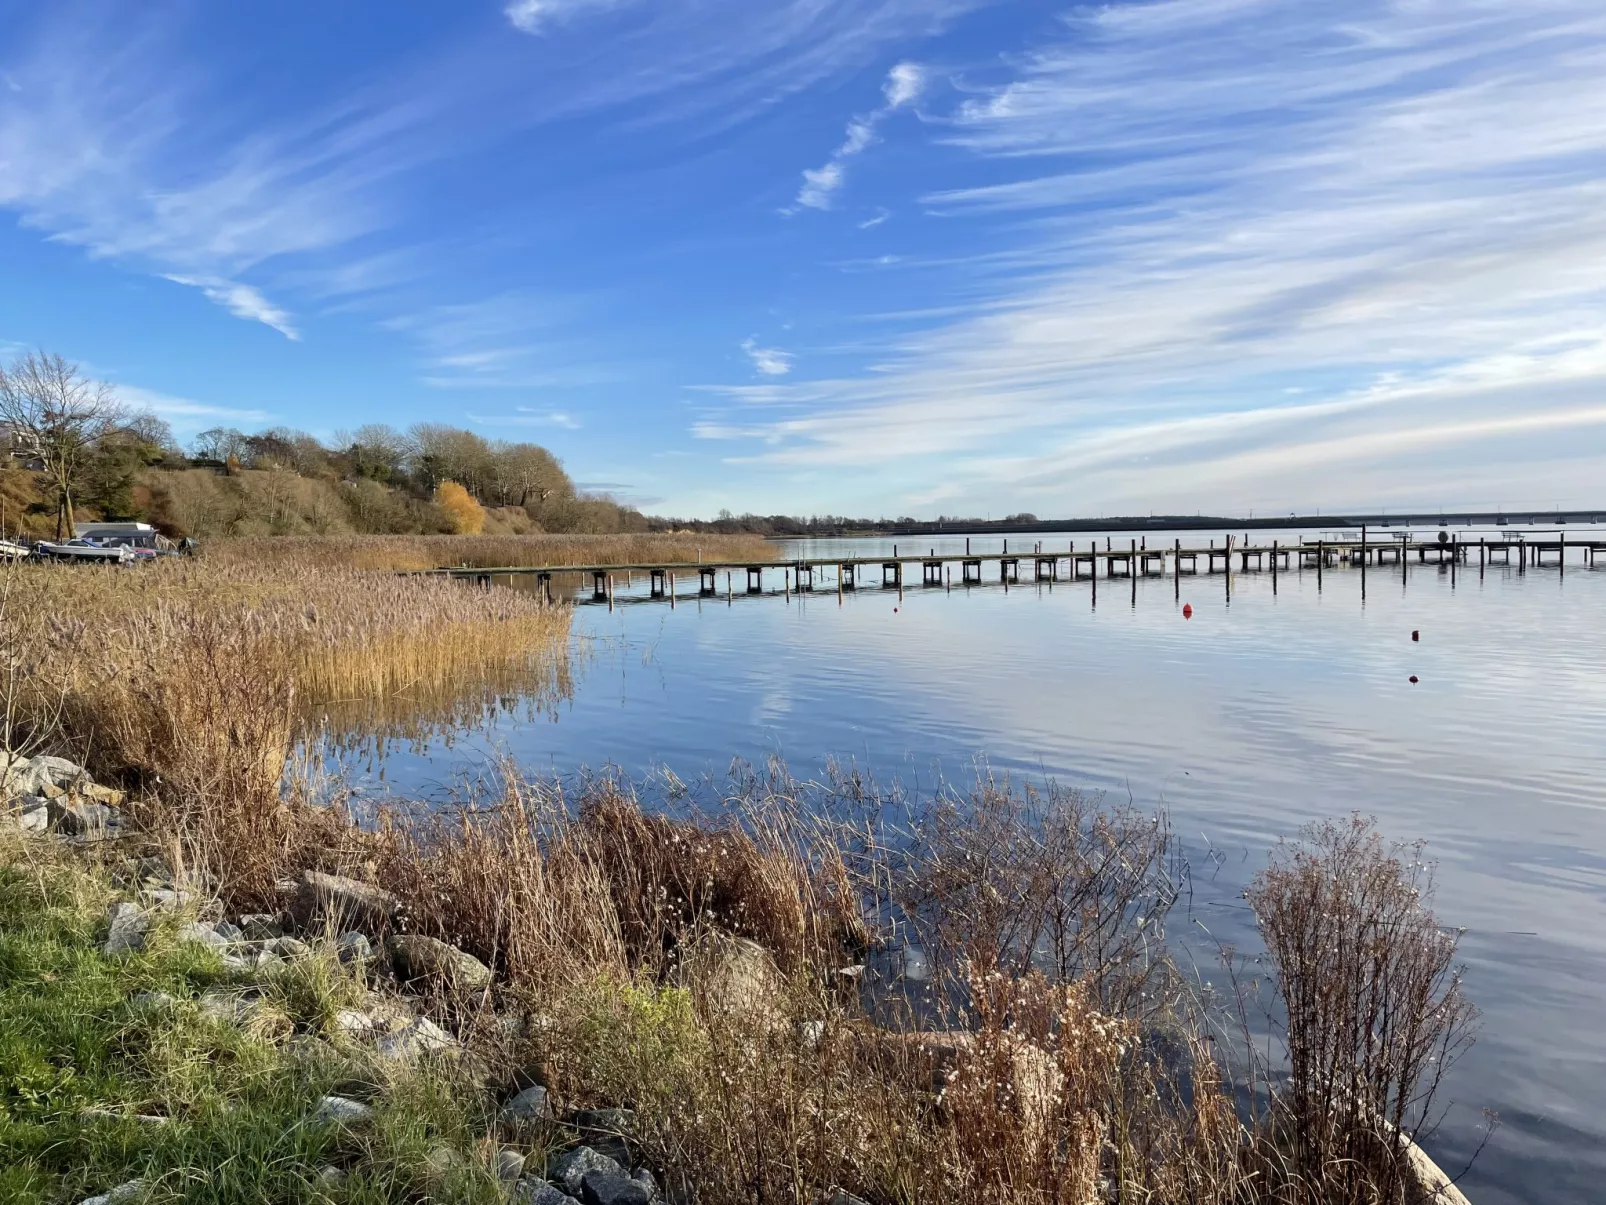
(1276, 703)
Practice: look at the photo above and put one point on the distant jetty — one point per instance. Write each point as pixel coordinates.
(1377, 519)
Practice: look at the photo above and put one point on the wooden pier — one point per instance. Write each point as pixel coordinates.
(1071, 562)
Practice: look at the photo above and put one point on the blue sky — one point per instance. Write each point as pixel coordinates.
(863, 256)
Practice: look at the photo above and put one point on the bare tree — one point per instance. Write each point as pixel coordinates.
(56, 414)
(220, 443)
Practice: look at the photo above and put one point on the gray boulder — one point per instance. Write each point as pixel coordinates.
(509, 1164)
(613, 1188)
(340, 1110)
(230, 1007)
(733, 977)
(33, 818)
(262, 926)
(123, 1194)
(354, 947)
(169, 897)
(341, 903)
(571, 1168)
(528, 1106)
(13, 769)
(530, 1191)
(415, 1040)
(416, 957)
(46, 774)
(76, 818)
(130, 924)
(288, 948)
(202, 934)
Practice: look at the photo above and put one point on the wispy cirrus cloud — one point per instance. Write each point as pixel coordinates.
(768, 361)
(529, 416)
(903, 86)
(242, 301)
(102, 150)
(182, 414)
(1337, 231)
(537, 16)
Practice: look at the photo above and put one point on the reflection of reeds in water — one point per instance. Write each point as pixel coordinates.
(528, 683)
(412, 553)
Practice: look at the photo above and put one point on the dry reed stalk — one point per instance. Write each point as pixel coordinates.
(415, 553)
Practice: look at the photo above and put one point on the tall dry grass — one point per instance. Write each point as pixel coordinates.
(711, 971)
(415, 553)
(202, 674)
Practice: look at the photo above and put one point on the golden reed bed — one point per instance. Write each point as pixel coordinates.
(138, 666)
(413, 553)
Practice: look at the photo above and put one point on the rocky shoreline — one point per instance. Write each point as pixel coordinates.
(415, 1005)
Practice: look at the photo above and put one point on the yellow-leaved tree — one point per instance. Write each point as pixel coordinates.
(462, 511)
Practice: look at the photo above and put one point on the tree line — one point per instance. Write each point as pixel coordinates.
(82, 447)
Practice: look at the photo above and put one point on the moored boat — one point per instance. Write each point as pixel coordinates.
(83, 552)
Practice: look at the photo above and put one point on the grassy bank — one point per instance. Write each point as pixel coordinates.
(129, 1068)
(411, 553)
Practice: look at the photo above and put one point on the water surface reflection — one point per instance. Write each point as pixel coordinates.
(1274, 704)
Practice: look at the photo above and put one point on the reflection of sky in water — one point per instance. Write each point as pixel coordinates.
(1255, 716)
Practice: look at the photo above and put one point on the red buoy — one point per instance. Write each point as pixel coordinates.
(1415, 635)
(1413, 679)
(1187, 610)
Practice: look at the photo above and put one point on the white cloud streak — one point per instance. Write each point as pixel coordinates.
(242, 301)
(185, 416)
(768, 361)
(525, 416)
(537, 16)
(1396, 210)
(903, 86)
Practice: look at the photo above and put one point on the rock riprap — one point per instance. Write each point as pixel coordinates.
(44, 793)
(339, 904)
(415, 957)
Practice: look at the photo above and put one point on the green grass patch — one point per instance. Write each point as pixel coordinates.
(98, 1087)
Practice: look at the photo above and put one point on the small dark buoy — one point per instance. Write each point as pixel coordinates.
(1187, 610)
(894, 610)
(1415, 635)
(1413, 679)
